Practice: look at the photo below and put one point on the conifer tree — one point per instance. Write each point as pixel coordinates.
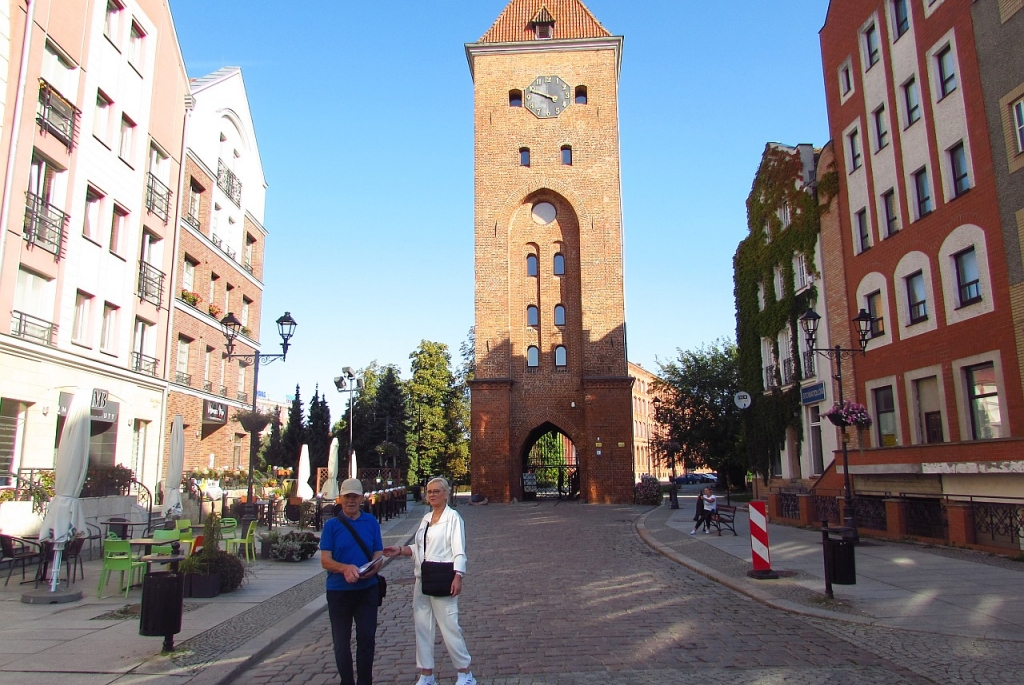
(294, 433)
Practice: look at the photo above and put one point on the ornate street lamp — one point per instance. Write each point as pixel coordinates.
(231, 327)
(350, 384)
(809, 322)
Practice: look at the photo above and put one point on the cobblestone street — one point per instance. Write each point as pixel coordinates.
(566, 593)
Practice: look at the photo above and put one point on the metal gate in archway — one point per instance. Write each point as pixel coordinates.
(551, 468)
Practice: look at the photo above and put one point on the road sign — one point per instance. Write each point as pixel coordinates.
(742, 399)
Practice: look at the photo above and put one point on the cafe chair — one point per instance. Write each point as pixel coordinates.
(73, 559)
(184, 525)
(117, 527)
(248, 542)
(117, 556)
(197, 544)
(18, 551)
(228, 527)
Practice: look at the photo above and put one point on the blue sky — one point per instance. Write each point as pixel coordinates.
(364, 117)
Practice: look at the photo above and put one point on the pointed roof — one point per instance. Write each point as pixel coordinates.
(571, 19)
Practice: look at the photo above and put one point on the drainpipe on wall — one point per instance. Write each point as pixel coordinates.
(19, 105)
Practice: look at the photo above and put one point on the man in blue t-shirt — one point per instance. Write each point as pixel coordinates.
(351, 596)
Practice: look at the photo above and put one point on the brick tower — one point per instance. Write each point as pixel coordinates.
(550, 316)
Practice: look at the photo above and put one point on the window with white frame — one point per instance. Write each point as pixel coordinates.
(1018, 123)
(946, 65)
(881, 128)
(112, 21)
(101, 118)
(80, 325)
(890, 213)
(845, 78)
(241, 379)
(93, 207)
(900, 18)
(863, 231)
(917, 300)
(968, 280)
(872, 50)
(207, 358)
(127, 145)
(760, 297)
(983, 400)
(532, 315)
(800, 270)
(34, 294)
(108, 334)
(560, 356)
(784, 216)
(136, 46)
(59, 72)
(181, 365)
(923, 192)
(118, 225)
(958, 168)
(855, 155)
(188, 275)
(911, 101)
(885, 415)
(211, 296)
(559, 315)
(532, 356)
(780, 283)
(244, 317)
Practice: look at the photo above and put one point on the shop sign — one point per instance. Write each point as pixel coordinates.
(101, 408)
(812, 394)
(215, 412)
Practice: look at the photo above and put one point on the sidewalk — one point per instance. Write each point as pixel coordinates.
(97, 642)
(899, 585)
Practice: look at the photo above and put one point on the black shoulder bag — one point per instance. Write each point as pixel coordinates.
(382, 583)
(436, 577)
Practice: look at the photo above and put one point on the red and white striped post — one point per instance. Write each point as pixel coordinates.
(759, 543)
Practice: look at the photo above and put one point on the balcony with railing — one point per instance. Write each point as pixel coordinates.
(229, 182)
(788, 371)
(45, 225)
(230, 253)
(182, 378)
(809, 369)
(223, 391)
(144, 364)
(208, 386)
(247, 266)
(217, 240)
(151, 283)
(243, 396)
(158, 197)
(770, 379)
(33, 328)
(56, 116)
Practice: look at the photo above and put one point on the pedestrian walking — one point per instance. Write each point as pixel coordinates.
(348, 542)
(698, 516)
(439, 561)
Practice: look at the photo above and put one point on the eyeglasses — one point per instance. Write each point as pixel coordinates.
(434, 492)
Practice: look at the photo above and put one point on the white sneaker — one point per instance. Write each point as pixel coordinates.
(707, 532)
(466, 679)
(426, 680)
(693, 532)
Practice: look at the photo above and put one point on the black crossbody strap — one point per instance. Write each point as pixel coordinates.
(359, 540)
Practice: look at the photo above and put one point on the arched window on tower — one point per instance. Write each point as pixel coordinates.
(560, 355)
(581, 95)
(531, 265)
(559, 266)
(532, 356)
(559, 315)
(532, 315)
(515, 98)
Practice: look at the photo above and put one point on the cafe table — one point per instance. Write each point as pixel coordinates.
(125, 526)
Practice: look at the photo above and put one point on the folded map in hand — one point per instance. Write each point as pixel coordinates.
(368, 566)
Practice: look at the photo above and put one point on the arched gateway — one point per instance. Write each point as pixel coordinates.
(550, 328)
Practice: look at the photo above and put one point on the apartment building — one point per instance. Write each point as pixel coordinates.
(926, 251)
(94, 105)
(218, 269)
(646, 429)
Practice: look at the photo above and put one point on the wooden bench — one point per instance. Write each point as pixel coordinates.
(725, 517)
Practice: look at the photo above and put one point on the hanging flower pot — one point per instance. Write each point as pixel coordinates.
(837, 420)
(849, 414)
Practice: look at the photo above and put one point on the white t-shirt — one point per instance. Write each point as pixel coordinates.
(710, 502)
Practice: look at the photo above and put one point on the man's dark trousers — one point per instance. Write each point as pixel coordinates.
(344, 606)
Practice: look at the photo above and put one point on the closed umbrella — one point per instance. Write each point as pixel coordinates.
(64, 519)
(172, 498)
(329, 489)
(304, 491)
(353, 468)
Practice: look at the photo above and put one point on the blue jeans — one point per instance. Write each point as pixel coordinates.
(344, 606)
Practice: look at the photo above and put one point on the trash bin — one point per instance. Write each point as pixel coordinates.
(161, 604)
(840, 565)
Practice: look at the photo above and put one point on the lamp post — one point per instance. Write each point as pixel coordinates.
(669, 446)
(231, 327)
(836, 354)
(348, 382)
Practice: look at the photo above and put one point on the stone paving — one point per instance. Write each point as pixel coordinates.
(568, 593)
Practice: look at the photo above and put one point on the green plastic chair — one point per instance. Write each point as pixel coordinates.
(249, 542)
(184, 525)
(228, 527)
(166, 534)
(117, 556)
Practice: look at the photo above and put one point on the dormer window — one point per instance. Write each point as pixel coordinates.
(543, 24)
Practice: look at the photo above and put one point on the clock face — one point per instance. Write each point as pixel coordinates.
(547, 96)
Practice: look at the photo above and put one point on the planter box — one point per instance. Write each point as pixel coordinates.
(202, 586)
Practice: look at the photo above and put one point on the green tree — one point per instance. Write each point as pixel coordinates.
(318, 432)
(432, 431)
(273, 449)
(294, 433)
(703, 422)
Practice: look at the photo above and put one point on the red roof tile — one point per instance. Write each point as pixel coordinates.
(572, 20)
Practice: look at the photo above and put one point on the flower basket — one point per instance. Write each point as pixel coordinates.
(849, 414)
(837, 420)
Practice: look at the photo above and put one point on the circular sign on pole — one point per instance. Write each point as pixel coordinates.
(742, 399)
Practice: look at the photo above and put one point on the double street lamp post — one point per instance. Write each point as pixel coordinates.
(809, 322)
(232, 327)
(348, 382)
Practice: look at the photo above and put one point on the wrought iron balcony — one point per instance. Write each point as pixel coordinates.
(770, 379)
(158, 197)
(223, 391)
(788, 371)
(56, 116)
(229, 252)
(192, 217)
(809, 368)
(208, 386)
(243, 397)
(144, 364)
(217, 240)
(151, 283)
(228, 181)
(247, 266)
(33, 328)
(182, 378)
(45, 225)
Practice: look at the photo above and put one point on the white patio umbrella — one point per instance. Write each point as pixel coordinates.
(172, 496)
(304, 491)
(353, 467)
(329, 489)
(64, 519)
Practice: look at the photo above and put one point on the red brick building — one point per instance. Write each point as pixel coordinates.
(923, 251)
(550, 345)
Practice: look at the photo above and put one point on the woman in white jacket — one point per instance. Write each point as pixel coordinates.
(441, 537)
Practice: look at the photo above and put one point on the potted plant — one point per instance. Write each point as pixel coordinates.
(267, 542)
(190, 297)
(849, 414)
(202, 569)
(253, 421)
(295, 546)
